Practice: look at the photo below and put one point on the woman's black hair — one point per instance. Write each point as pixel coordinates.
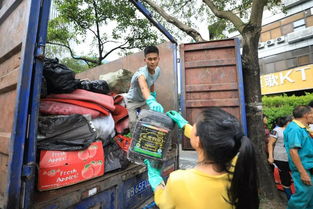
(222, 138)
(282, 121)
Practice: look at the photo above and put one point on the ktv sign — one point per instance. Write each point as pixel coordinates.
(295, 79)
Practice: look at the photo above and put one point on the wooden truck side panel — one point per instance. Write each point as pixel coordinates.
(212, 77)
(13, 19)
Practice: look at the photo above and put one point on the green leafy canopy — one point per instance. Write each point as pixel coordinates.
(79, 19)
(282, 105)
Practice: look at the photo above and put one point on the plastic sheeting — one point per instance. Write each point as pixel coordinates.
(60, 79)
(65, 132)
(115, 157)
(98, 86)
(105, 128)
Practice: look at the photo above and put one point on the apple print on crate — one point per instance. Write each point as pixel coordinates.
(70, 167)
(92, 150)
(96, 165)
(88, 153)
(87, 172)
(51, 172)
(83, 155)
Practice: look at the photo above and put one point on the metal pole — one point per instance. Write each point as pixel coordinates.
(148, 15)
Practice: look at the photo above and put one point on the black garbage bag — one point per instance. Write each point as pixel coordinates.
(44, 90)
(115, 157)
(98, 86)
(65, 132)
(60, 79)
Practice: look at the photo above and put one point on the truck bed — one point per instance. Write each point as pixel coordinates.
(126, 189)
(106, 187)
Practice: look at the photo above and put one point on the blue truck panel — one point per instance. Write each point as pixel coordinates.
(20, 132)
(30, 144)
(148, 15)
(104, 199)
(134, 191)
(241, 91)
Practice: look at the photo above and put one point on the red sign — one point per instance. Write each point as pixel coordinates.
(63, 168)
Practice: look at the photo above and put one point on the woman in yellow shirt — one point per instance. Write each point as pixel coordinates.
(225, 174)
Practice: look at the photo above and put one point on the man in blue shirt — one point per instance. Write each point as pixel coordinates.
(299, 146)
(141, 93)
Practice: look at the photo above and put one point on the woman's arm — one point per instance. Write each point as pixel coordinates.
(270, 148)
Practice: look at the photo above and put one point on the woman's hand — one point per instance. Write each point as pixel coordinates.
(177, 118)
(270, 160)
(154, 175)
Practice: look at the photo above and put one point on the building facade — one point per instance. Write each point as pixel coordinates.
(286, 49)
(53, 11)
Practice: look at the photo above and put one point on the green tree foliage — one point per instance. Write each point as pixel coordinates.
(217, 29)
(78, 19)
(283, 105)
(76, 65)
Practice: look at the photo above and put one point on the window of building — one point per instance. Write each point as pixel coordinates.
(265, 36)
(291, 63)
(269, 68)
(304, 60)
(309, 21)
(300, 52)
(287, 29)
(1, 1)
(299, 25)
(280, 65)
(275, 33)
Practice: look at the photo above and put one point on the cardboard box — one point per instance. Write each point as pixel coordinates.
(63, 168)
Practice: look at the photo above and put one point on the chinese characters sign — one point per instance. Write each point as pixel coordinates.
(295, 79)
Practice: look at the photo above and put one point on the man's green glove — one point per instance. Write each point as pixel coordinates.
(154, 175)
(154, 94)
(154, 105)
(177, 118)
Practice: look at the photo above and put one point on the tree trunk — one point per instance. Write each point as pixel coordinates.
(256, 132)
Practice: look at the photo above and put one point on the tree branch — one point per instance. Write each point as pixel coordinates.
(75, 20)
(95, 34)
(110, 41)
(238, 23)
(257, 11)
(87, 60)
(118, 47)
(98, 36)
(182, 6)
(92, 31)
(182, 26)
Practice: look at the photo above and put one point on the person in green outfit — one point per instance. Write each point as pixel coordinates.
(299, 147)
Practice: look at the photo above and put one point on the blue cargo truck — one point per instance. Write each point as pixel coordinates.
(23, 30)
